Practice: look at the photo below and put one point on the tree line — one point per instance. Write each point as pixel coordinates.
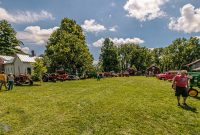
(173, 57)
(67, 49)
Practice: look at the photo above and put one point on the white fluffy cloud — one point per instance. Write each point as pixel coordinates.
(24, 16)
(119, 41)
(189, 20)
(98, 43)
(95, 62)
(24, 49)
(113, 29)
(35, 35)
(145, 9)
(92, 26)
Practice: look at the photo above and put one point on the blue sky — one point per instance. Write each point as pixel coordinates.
(150, 23)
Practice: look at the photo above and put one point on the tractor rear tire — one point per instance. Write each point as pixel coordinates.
(193, 92)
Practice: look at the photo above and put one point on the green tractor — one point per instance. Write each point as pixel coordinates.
(194, 84)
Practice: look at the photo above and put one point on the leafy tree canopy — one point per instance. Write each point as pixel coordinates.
(66, 48)
(8, 40)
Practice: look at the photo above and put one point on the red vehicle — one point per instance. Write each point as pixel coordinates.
(59, 75)
(49, 77)
(23, 79)
(167, 75)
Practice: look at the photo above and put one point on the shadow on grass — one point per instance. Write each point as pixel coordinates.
(28, 85)
(197, 98)
(6, 90)
(189, 108)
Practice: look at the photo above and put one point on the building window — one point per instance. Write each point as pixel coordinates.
(29, 71)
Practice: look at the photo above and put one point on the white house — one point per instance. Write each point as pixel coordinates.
(19, 64)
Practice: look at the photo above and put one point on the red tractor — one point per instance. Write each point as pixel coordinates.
(49, 77)
(23, 79)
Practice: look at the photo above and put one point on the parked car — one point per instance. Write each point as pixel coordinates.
(59, 75)
(167, 75)
(73, 77)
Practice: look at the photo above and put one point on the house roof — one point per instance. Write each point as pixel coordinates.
(22, 57)
(197, 69)
(26, 58)
(193, 62)
(153, 65)
(9, 61)
(6, 58)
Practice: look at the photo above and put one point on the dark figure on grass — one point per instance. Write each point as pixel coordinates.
(10, 81)
(98, 77)
(3, 80)
(180, 84)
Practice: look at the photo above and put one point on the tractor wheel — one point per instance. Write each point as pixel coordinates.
(193, 92)
(18, 83)
(45, 79)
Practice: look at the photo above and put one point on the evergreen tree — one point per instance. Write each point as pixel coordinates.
(8, 40)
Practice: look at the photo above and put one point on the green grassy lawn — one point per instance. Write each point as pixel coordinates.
(121, 106)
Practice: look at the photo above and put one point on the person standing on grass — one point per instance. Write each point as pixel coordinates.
(3, 80)
(180, 84)
(10, 81)
(98, 77)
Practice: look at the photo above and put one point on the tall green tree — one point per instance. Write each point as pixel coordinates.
(156, 54)
(39, 68)
(109, 56)
(181, 52)
(126, 52)
(8, 40)
(66, 48)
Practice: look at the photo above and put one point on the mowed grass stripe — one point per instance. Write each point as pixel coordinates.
(132, 105)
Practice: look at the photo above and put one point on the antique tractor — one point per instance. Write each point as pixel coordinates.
(49, 77)
(194, 84)
(23, 79)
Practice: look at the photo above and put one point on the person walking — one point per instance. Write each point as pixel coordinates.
(11, 79)
(3, 80)
(180, 84)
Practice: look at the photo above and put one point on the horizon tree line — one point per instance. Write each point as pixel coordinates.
(67, 49)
